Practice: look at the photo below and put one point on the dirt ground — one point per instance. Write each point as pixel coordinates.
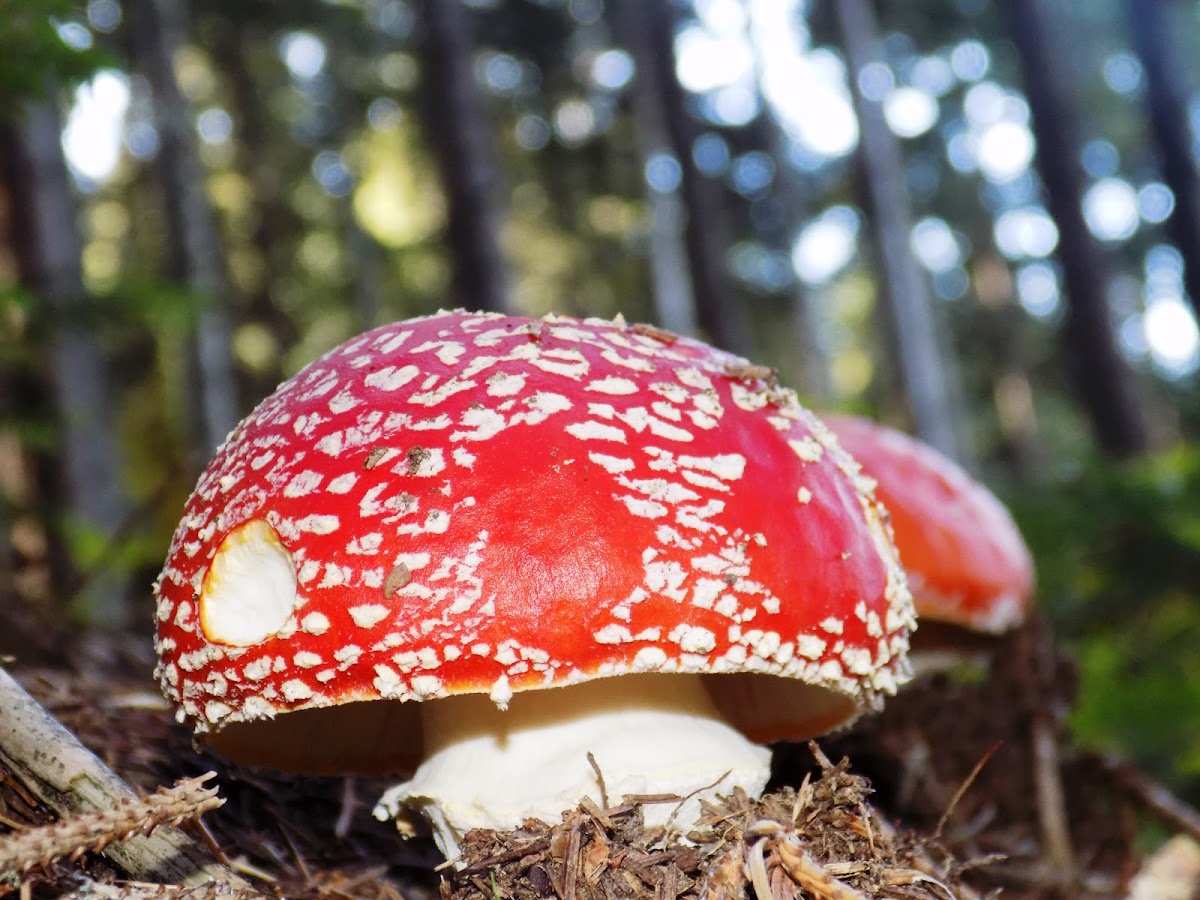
(966, 786)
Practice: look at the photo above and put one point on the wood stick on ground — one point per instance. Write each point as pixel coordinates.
(87, 889)
(1035, 648)
(92, 832)
(51, 763)
(1152, 796)
(1052, 804)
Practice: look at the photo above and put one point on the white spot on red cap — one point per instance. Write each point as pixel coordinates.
(318, 524)
(388, 682)
(501, 692)
(368, 615)
(595, 431)
(423, 462)
(613, 634)
(727, 466)
(650, 659)
(315, 623)
(365, 544)
(295, 690)
(391, 343)
(810, 646)
(343, 484)
(808, 449)
(613, 384)
(505, 384)
(215, 710)
(392, 378)
(693, 639)
(425, 686)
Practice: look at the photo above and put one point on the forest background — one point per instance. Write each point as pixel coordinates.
(977, 220)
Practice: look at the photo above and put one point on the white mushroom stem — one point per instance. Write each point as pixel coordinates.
(649, 734)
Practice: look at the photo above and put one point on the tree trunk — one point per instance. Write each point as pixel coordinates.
(158, 29)
(460, 132)
(706, 228)
(89, 484)
(274, 223)
(1102, 379)
(674, 300)
(782, 228)
(918, 348)
(1167, 100)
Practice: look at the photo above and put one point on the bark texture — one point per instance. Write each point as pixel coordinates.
(918, 348)
(1102, 379)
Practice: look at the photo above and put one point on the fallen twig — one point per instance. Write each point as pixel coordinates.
(1149, 794)
(52, 764)
(87, 889)
(92, 832)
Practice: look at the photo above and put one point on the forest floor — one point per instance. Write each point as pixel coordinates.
(965, 787)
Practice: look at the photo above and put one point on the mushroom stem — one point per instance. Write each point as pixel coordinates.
(648, 734)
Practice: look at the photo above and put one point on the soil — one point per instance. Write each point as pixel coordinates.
(981, 754)
(937, 797)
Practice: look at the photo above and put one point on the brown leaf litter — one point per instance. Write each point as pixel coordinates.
(822, 840)
(1051, 819)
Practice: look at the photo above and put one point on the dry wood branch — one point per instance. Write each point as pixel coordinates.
(52, 764)
(92, 832)
(87, 889)
(810, 875)
(1152, 796)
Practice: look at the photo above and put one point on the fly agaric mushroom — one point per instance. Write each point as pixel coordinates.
(391, 560)
(968, 566)
(971, 575)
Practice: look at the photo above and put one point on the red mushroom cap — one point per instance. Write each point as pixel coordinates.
(471, 503)
(966, 561)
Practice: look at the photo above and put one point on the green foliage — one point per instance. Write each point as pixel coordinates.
(34, 59)
(1118, 555)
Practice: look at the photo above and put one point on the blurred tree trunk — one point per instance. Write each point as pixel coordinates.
(87, 484)
(1002, 359)
(706, 227)
(917, 345)
(158, 31)
(674, 300)
(778, 217)
(1102, 379)
(274, 223)
(366, 262)
(1167, 99)
(460, 133)
(780, 223)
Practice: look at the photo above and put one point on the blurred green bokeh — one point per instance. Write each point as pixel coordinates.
(1118, 555)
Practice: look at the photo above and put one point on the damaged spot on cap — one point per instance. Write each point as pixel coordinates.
(250, 589)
